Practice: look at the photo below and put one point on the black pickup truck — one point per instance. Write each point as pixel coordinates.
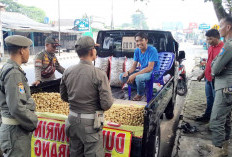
(120, 43)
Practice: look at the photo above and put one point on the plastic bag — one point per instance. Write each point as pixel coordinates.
(157, 87)
(117, 67)
(166, 78)
(129, 63)
(102, 63)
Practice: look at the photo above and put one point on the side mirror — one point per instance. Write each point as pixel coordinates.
(181, 55)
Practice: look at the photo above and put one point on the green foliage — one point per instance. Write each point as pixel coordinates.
(34, 13)
(139, 20)
(10, 5)
(222, 8)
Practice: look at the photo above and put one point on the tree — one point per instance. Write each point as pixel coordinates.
(139, 20)
(222, 8)
(34, 13)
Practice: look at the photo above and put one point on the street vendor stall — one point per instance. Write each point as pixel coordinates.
(131, 129)
(122, 121)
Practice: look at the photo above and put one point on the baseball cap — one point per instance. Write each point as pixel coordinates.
(84, 43)
(18, 40)
(52, 40)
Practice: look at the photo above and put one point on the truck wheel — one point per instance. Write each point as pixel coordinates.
(181, 88)
(157, 143)
(169, 111)
(169, 114)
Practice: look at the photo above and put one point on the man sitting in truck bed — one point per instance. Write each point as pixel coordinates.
(147, 56)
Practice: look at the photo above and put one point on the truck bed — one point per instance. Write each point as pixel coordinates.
(129, 102)
(119, 93)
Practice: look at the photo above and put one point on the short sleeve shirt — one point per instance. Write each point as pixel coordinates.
(150, 55)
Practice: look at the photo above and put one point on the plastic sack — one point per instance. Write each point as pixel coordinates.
(129, 63)
(102, 63)
(166, 78)
(157, 87)
(117, 67)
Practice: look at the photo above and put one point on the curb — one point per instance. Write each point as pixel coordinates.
(178, 132)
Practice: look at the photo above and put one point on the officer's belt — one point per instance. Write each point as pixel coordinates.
(80, 115)
(9, 121)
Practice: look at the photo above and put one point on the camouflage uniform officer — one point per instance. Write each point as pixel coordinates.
(220, 120)
(17, 106)
(46, 62)
(88, 92)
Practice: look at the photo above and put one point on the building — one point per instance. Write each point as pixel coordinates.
(18, 24)
(96, 24)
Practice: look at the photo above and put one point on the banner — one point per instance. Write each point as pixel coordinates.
(117, 143)
(49, 139)
(193, 25)
(81, 24)
(204, 26)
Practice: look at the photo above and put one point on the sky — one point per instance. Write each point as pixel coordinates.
(156, 11)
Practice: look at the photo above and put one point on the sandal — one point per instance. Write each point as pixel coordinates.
(187, 128)
(138, 98)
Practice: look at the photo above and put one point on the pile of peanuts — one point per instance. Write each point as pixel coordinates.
(121, 114)
(50, 102)
(125, 115)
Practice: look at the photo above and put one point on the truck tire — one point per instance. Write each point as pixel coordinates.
(181, 88)
(157, 143)
(169, 111)
(169, 114)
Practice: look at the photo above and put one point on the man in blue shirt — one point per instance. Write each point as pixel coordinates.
(147, 56)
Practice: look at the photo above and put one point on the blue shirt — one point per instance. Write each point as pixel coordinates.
(150, 55)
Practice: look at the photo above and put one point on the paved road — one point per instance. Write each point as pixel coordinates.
(30, 72)
(168, 127)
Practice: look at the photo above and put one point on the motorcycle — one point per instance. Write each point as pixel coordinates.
(203, 62)
(182, 80)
